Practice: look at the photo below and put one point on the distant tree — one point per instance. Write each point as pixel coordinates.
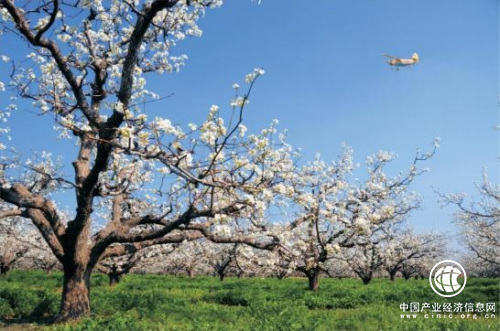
(253, 262)
(19, 241)
(367, 259)
(221, 258)
(188, 258)
(480, 221)
(272, 263)
(46, 261)
(338, 267)
(118, 266)
(334, 212)
(479, 268)
(408, 252)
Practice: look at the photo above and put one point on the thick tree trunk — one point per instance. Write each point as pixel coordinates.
(114, 278)
(392, 274)
(367, 280)
(221, 276)
(4, 269)
(313, 281)
(75, 301)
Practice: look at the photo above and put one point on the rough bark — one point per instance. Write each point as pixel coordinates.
(392, 274)
(114, 278)
(75, 301)
(313, 279)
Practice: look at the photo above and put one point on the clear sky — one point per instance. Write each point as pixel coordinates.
(327, 83)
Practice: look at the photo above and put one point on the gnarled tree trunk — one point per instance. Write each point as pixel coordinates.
(75, 301)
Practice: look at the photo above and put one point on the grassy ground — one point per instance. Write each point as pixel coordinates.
(149, 302)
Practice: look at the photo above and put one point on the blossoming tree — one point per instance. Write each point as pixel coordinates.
(480, 222)
(136, 180)
(395, 248)
(116, 267)
(335, 212)
(20, 241)
(408, 252)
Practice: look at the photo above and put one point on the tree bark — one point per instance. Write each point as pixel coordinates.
(392, 274)
(367, 280)
(406, 276)
(114, 278)
(75, 301)
(4, 269)
(313, 281)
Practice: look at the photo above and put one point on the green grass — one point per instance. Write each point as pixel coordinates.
(150, 302)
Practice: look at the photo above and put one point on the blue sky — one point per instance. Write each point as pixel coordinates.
(327, 83)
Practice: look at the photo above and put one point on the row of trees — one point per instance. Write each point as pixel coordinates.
(140, 181)
(401, 252)
(202, 257)
(387, 250)
(397, 251)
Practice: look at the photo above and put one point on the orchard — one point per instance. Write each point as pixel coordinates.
(123, 189)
